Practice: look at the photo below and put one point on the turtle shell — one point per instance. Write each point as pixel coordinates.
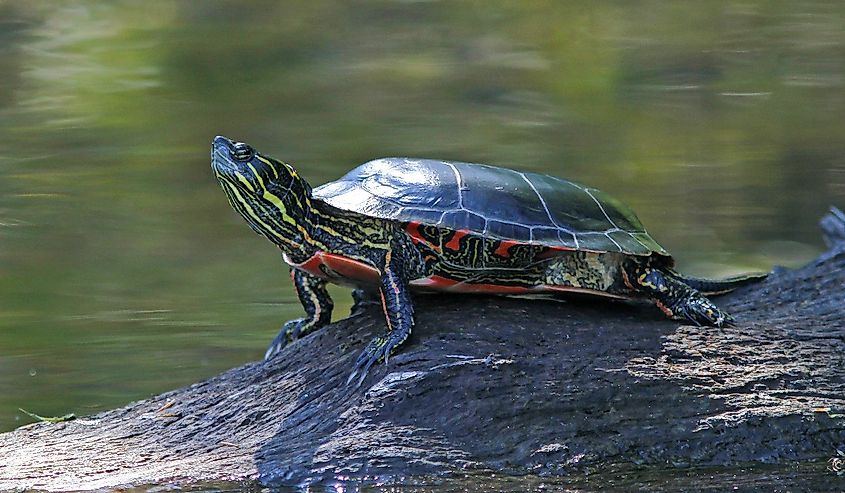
(492, 202)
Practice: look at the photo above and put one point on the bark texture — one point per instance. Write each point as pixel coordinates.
(488, 383)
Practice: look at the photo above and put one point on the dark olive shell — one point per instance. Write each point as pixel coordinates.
(493, 202)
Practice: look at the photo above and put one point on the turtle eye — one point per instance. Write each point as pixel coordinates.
(242, 151)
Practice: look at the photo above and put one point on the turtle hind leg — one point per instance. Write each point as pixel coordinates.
(676, 299)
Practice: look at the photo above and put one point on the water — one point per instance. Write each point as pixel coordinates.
(124, 273)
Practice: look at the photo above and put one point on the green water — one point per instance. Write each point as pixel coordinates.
(124, 273)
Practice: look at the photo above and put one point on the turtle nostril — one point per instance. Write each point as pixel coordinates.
(241, 151)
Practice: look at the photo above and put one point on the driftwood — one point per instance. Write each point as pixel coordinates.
(489, 383)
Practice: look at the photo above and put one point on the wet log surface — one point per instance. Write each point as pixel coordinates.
(488, 383)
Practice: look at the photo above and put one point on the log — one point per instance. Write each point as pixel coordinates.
(489, 384)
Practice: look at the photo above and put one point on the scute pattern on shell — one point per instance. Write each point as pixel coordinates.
(491, 201)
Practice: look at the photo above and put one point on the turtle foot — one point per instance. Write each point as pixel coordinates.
(679, 301)
(291, 331)
(701, 311)
(378, 349)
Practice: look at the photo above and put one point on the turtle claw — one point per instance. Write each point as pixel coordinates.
(363, 372)
(291, 331)
(275, 347)
(372, 353)
(378, 349)
(351, 376)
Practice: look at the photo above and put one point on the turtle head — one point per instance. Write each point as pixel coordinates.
(270, 195)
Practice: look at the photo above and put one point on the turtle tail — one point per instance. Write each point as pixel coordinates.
(718, 286)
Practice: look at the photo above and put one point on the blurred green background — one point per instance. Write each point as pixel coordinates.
(123, 271)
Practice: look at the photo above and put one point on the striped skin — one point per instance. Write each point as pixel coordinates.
(277, 204)
(268, 194)
(318, 307)
(322, 243)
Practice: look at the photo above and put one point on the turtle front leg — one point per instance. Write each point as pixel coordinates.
(318, 305)
(676, 299)
(398, 311)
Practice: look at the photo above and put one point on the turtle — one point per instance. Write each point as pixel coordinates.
(396, 225)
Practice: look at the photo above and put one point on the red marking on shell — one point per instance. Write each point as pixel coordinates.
(338, 268)
(413, 229)
(455, 242)
(438, 283)
(504, 246)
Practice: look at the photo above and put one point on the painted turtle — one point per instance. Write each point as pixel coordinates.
(398, 224)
